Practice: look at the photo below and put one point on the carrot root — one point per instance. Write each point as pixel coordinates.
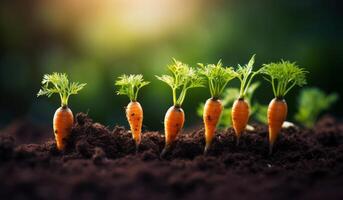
(134, 114)
(207, 148)
(165, 151)
(212, 111)
(277, 113)
(237, 140)
(62, 125)
(240, 117)
(271, 148)
(173, 123)
(137, 148)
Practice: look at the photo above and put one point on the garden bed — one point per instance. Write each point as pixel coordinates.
(103, 163)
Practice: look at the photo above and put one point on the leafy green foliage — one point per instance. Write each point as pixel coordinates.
(230, 95)
(284, 76)
(245, 74)
(312, 102)
(260, 113)
(182, 79)
(130, 85)
(59, 83)
(218, 77)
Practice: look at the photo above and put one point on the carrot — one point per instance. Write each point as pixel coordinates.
(277, 113)
(63, 118)
(240, 108)
(183, 78)
(134, 114)
(62, 123)
(240, 116)
(174, 121)
(212, 112)
(130, 86)
(283, 76)
(218, 77)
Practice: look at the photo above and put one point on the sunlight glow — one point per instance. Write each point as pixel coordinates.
(114, 23)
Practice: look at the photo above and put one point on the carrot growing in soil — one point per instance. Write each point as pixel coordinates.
(182, 79)
(130, 86)
(240, 109)
(63, 118)
(283, 76)
(218, 77)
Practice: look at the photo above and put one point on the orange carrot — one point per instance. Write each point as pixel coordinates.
(240, 109)
(63, 118)
(63, 122)
(212, 112)
(134, 114)
(218, 77)
(130, 86)
(277, 113)
(283, 76)
(240, 116)
(183, 78)
(173, 123)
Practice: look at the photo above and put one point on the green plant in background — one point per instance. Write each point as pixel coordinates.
(312, 102)
(260, 112)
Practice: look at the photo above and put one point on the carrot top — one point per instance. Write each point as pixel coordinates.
(130, 85)
(218, 77)
(284, 76)
(182, 79)
(59, 83)
(245, 74)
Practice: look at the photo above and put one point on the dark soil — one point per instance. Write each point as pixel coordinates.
(100, 163)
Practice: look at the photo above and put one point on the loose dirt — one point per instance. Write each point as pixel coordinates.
(103, 163)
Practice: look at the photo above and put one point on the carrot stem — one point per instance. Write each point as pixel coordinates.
(130, 85)
(60, 85)
(183, 78)
(284, 76)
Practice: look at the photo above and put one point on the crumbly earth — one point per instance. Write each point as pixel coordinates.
(100, 163)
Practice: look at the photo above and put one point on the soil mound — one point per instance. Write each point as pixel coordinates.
(103, 163)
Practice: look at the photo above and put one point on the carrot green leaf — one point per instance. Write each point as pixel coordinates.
(218, 77)
(283, 76)
(59, 83)
(130, 85)
(182, 79)
(245, 74)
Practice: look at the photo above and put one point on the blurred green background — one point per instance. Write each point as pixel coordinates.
(96, 41)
